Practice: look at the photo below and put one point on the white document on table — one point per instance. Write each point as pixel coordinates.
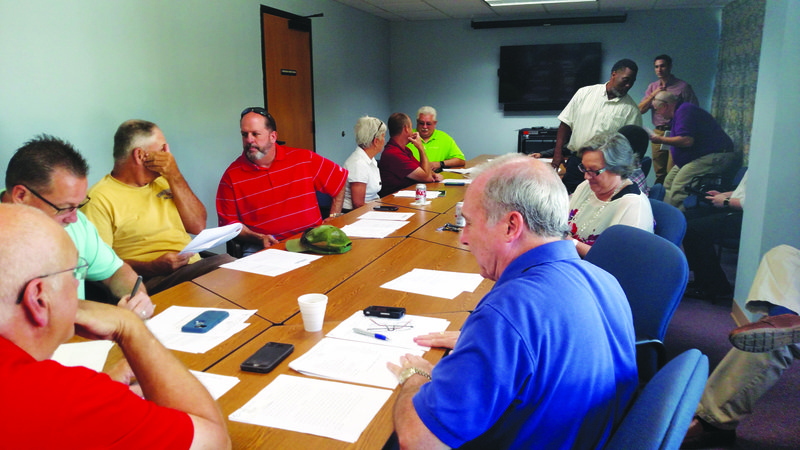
(211, 237)
(167, 328)
(383, 215)
(92, 354)
(462, 171)
(413, 194)
(351, 361)
(368, 228)
(216, 385)
(436, 283)
(322, 408)
(401, 332)
(271, 262)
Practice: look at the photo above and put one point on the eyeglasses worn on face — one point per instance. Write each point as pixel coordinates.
(420, 123)
(79, 272)
(583, 169)
(59, 211)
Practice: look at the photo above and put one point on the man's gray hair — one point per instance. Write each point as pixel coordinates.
(367, 129)
(616, 150)
(426, 110)
(666, 97)
(520, 183)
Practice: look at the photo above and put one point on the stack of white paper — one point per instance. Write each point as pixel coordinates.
(323, 408)
(271, 262)
(436, 283)
(345, 355)
(211, 237)
(377, 224)
(167, 328)
(456, 182)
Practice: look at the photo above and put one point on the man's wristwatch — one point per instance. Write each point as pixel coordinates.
(442, 166)
(726, 203)
(334, 215)
(408, 372)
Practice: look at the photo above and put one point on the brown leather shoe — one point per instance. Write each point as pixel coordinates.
(701, 434)
(767, 334)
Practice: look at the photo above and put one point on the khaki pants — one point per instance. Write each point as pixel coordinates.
(679, 177)
(662, 159)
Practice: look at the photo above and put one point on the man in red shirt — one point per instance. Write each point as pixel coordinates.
(39, 310)
(399, 168)
(270, 188)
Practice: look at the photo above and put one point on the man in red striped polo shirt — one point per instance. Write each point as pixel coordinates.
(270, 188)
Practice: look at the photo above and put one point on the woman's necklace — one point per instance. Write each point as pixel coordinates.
(597, 213)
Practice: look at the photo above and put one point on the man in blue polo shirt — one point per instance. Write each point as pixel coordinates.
(547, 359)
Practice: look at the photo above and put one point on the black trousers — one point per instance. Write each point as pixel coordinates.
(704, 227)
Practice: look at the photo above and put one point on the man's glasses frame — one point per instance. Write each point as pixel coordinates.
(79, 272)
(583, 169)
(59, 211)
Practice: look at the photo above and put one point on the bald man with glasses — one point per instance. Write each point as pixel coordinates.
(39, 310)
(48, 174)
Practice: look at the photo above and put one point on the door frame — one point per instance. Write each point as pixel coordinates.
(299, 23)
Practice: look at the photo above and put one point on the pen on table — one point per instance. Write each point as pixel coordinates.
(136, 286)
(370, 334)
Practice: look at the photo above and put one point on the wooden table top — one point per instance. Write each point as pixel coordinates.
(453, 195)
(190, 294)
(430, 231)
(420, 218)
(363, 289)
(247, 436)
(275, 298)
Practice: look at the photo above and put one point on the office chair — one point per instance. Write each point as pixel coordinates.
(658, 192)
(662, 413)
(670, 221)
(653, 273)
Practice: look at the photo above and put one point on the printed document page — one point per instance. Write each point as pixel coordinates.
(92, 354)
(167, 328)
(211, 237)
(400, 332)
(322, 408)
(354, 362)
(436, 283)
(271, 262)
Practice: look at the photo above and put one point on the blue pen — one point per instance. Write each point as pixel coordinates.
(370, 334)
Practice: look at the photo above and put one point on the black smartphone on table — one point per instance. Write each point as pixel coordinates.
(389, 312)
(267, 357)
(385, 208)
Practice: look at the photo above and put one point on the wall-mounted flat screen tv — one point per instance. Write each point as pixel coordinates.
(545, 77)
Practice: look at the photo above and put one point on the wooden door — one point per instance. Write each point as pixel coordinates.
(288, 80)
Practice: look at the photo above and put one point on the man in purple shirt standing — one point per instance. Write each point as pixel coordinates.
(699, 145)
(662, 163)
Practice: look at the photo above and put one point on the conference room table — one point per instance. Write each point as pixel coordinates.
(352, 281)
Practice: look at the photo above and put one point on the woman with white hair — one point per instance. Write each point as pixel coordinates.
(364, 178)
(607, 197)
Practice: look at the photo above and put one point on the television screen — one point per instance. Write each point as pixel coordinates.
(545, 77)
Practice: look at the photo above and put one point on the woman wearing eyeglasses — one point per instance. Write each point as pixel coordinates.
(364, 178)
(606, 197)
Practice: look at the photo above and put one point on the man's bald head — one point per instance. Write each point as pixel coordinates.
(31, 245)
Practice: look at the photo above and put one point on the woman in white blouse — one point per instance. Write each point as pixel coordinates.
(607, 197)
(364, 178)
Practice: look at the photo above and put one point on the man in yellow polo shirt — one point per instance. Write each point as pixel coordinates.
(144, 209)
(441, 149)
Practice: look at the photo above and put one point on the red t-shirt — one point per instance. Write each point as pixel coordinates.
(279, 200)
(47, 405)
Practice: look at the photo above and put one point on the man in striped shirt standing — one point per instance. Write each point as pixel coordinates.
(270, 188)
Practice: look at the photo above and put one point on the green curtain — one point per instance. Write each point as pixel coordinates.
(737, 70)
